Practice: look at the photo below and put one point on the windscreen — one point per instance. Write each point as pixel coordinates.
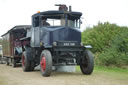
(60, 20)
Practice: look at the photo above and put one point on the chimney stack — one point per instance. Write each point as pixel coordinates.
(70, 8)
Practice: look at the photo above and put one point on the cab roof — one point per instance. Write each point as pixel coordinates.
(56, 14)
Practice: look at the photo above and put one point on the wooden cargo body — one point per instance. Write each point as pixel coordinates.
(12, 46)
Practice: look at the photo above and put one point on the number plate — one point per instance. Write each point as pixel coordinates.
(69, 44)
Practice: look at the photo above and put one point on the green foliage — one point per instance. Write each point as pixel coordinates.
(110, 43)
(100, 36)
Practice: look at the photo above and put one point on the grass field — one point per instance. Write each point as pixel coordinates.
(113, 72)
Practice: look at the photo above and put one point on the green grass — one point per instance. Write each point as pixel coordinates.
(111, 69)
(107, 69)
(112, 72)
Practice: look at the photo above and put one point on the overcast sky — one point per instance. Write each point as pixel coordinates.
(19, 12)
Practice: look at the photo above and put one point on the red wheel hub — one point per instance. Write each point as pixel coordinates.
(43, 63)
(23, 60)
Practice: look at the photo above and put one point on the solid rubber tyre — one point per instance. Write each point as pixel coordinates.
(13, 63)
(6, 62)
(46, 63)
(87, 63)
(27, 65)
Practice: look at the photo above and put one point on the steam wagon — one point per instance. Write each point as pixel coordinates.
(55, 40)
(12, 46)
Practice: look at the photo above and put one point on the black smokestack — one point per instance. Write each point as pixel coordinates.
(70, 8)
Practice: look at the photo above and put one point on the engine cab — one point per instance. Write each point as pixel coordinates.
(58, 25)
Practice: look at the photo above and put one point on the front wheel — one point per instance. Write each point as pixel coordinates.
(46, 63)
(87, 63)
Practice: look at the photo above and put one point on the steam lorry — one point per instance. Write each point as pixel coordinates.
(53, 39)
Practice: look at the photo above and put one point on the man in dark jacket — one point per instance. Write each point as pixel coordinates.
(44, 23)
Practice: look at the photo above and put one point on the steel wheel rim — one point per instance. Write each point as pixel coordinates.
(43, 63)
(23, 61)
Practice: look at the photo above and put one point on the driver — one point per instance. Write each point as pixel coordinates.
(44, 23)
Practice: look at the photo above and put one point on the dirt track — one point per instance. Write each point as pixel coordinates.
(15, 76)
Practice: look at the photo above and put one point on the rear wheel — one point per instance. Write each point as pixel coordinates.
(13, 63)
(27, 65)
(7, 61)
(46, 63)
(87, 63)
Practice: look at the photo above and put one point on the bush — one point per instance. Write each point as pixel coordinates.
(110, 43)
(100, 36)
